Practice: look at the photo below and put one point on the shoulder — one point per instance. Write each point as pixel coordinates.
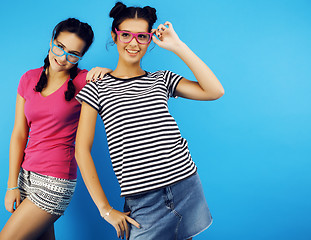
(33, 72)
(165, 75)
(159, 74)
(80, 79)
(81, 75)
(82, 71)
(106, 81)
(28, 81)
(31, 75)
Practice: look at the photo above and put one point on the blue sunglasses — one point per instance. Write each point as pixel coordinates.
(59, 52)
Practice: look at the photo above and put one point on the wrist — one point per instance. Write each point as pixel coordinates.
(12, 188)
(179, 47)
(107, 213)
(12, 184)
(104, 210)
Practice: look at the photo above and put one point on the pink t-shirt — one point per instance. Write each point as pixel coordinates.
(53, 122)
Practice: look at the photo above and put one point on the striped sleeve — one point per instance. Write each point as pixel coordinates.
(171, 80)
(89, 94)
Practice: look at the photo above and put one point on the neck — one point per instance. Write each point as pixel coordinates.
(127, 70)
(57, 75)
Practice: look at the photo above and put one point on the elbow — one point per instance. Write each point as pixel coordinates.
(220, 93)
(81, 153)
(217, 94)
(78, 153)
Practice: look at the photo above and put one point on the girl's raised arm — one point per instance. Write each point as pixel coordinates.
(84, 142)
(208, 87)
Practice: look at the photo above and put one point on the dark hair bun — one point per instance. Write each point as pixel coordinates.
(152, 13)
(117, 9)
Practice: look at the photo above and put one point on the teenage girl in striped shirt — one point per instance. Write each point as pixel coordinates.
(163, 194)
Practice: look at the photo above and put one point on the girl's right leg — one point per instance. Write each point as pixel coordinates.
(28, 222)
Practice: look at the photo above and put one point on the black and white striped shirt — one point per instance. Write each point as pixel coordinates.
(145, 144)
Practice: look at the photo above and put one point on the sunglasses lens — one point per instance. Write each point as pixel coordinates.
(125, 37)
(143, 38)
(57, 51)
(73, 59)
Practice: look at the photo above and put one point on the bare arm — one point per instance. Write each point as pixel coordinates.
(17, 146)
(207, 86)
(84, 142)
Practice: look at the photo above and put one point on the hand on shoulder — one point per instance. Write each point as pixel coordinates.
(97, 73)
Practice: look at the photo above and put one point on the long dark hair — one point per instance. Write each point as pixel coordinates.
(83, 31)
(121, 12)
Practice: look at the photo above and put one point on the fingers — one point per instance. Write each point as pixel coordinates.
(155, 40)
(162, 29)
(90, 75)
(133, 222)
(117, 227)
(159, 31)
(119, 221)
(9, 206)
(18, 201)
(101, 75)
(122, 228)
(168, 24)
(127, 231)
(96, 73)
(103, 72)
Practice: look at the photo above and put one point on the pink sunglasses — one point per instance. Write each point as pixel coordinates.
(126, 37)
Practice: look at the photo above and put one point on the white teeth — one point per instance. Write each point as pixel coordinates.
(59, 63)
(132, 51)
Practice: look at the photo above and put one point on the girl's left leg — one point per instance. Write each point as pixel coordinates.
(28, 222)
(49, 234)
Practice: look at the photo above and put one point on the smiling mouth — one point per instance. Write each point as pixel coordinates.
(59, 63)
(132, 51)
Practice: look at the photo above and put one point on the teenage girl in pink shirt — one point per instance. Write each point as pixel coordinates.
(42, 176)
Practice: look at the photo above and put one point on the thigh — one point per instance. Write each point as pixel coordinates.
(189, 201)
(153, 212)
(49, 234)
(27, 222)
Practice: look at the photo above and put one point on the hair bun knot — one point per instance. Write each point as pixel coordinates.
(117, 9)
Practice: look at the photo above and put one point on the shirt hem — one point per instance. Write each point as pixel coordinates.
(50, 175)
(157, 188)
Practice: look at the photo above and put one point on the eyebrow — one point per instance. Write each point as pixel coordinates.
(72, 52)
(132, 32)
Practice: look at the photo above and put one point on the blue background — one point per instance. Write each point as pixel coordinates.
(252, 146)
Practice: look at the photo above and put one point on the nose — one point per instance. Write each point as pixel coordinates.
(133, 42)
(63, 58)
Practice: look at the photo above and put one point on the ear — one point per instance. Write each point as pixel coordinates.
(113, 35)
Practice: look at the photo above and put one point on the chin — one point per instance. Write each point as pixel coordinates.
(57, 67)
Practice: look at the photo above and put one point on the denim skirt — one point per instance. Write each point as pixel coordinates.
(175, 212)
